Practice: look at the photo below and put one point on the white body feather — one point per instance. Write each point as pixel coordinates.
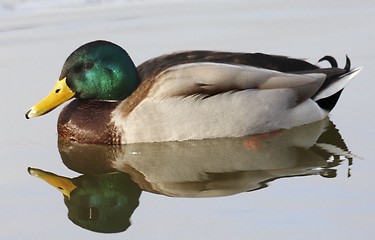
(247, 101)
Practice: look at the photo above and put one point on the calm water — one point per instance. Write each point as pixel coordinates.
(311, 182)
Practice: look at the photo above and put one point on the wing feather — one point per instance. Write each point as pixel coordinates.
(215, 78)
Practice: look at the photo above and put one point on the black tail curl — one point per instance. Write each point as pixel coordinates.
(333, 62)
(330, 102)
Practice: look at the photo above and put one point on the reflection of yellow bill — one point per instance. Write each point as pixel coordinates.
(59, 94)
(63, 184)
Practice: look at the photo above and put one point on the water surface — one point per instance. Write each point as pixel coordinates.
(310, 182)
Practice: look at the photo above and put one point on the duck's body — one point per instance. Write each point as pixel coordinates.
(202, 94)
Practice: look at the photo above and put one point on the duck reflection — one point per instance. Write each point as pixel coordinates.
(101, 202)
(113, 176)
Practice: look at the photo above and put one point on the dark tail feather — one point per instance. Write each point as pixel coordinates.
(330, 59)
(328, 95)
(330, 102)
(333, 62)
(347, 64)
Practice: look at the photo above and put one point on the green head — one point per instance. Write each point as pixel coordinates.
(98, 70)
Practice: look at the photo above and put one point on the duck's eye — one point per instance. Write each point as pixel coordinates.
(88, 66)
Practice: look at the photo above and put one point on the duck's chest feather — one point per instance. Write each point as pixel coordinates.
(89, 122)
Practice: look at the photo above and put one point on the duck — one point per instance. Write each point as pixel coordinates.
(188, 95)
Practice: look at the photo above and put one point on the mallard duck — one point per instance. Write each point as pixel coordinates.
(187, 95)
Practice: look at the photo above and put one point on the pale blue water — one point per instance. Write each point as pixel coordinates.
(309, 195)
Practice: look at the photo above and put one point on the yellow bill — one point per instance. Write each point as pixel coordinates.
(63, 184)
(59, 94)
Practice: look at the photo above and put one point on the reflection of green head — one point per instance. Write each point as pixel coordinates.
(103, 203)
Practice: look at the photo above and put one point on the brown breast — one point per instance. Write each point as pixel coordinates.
(88, 121)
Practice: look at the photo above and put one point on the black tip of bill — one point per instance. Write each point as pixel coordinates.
(27, 114)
